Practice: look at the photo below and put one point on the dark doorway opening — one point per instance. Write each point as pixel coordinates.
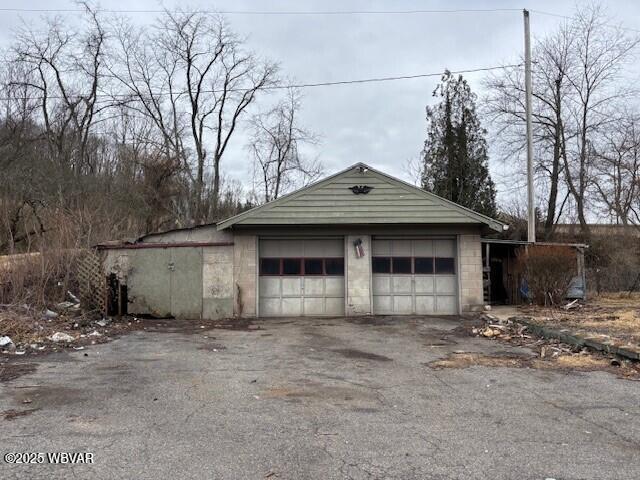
(117, 296)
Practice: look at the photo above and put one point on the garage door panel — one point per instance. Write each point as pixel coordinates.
(334, 306)
(334, 287)
(312, 248)
(424, 284)
(382, 284)
(291, 286)
(270, 248)
(425, 304)
(323, 248)
(401, 248)
(381, 248)
(444, 248)
(403, 304)
(314, 286)
(292, 306)
(313, 305)
(291, 248)
(382, 304)
(270, 286)
(292, 295)
(445, 285)
(270, 306)
(423, 248)
(426, 292)
(402, 284)
(446, 304)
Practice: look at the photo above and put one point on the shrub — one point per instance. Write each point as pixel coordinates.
(613, 263)
(41, 276)
(548, 270)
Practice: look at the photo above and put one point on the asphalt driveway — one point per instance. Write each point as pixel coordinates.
(316, 398)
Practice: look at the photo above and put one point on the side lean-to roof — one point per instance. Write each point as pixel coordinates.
(331, 201)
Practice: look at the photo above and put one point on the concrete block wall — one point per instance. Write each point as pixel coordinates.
(470, 268)
(217, 282)
(358, 277)
(245, 287)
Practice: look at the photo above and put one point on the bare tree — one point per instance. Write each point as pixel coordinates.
(64, 71)
(617, 170)
(276, 148)
(505, 108)
(118, 129)
(599, 55)
(577, 73)
(192, 76)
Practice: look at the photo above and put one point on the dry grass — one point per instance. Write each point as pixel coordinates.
(8, 263)
(465, 360)
(580, 362)
(614, 317)
(25, 327)
(618, 300)
(625, 321)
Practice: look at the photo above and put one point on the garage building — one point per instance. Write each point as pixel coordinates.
(359, 242)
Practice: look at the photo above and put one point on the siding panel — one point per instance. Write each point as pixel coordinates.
(332, 202)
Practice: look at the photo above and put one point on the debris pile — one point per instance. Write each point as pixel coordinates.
(24, 329)
(496, 327)
(552, 352)
(514, 332)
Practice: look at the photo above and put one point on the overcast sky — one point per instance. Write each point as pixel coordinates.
(381, 124)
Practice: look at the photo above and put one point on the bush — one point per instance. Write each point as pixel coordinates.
(41, 276)
(613, 263)
(548, 270)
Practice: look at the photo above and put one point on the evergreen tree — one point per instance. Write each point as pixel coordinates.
(455, 152)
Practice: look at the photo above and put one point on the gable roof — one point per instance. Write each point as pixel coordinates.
(330, 201)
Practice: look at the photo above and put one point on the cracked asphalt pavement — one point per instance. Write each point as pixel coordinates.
(316, 399)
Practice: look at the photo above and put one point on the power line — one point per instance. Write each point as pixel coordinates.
(282, 87)
(267, 12)
(302, 12)
(567, 17)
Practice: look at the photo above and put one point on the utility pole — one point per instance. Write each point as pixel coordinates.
(531, 223)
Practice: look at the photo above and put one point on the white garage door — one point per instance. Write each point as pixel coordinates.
(414, 276)
(301, 277)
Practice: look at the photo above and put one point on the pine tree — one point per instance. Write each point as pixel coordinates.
(455, 152)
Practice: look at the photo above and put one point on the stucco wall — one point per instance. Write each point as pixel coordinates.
(471, 295)
(244, 275)
(217, 282)
(358, 276)
(151, 290)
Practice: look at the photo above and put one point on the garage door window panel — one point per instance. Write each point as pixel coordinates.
(291, 266)
(401, 265)
(313, 266)
(423, 265)
(445, 266)
(269, 266)
(381, 264)
(334, 266)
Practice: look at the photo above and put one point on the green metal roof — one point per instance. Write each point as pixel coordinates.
(331, 202)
